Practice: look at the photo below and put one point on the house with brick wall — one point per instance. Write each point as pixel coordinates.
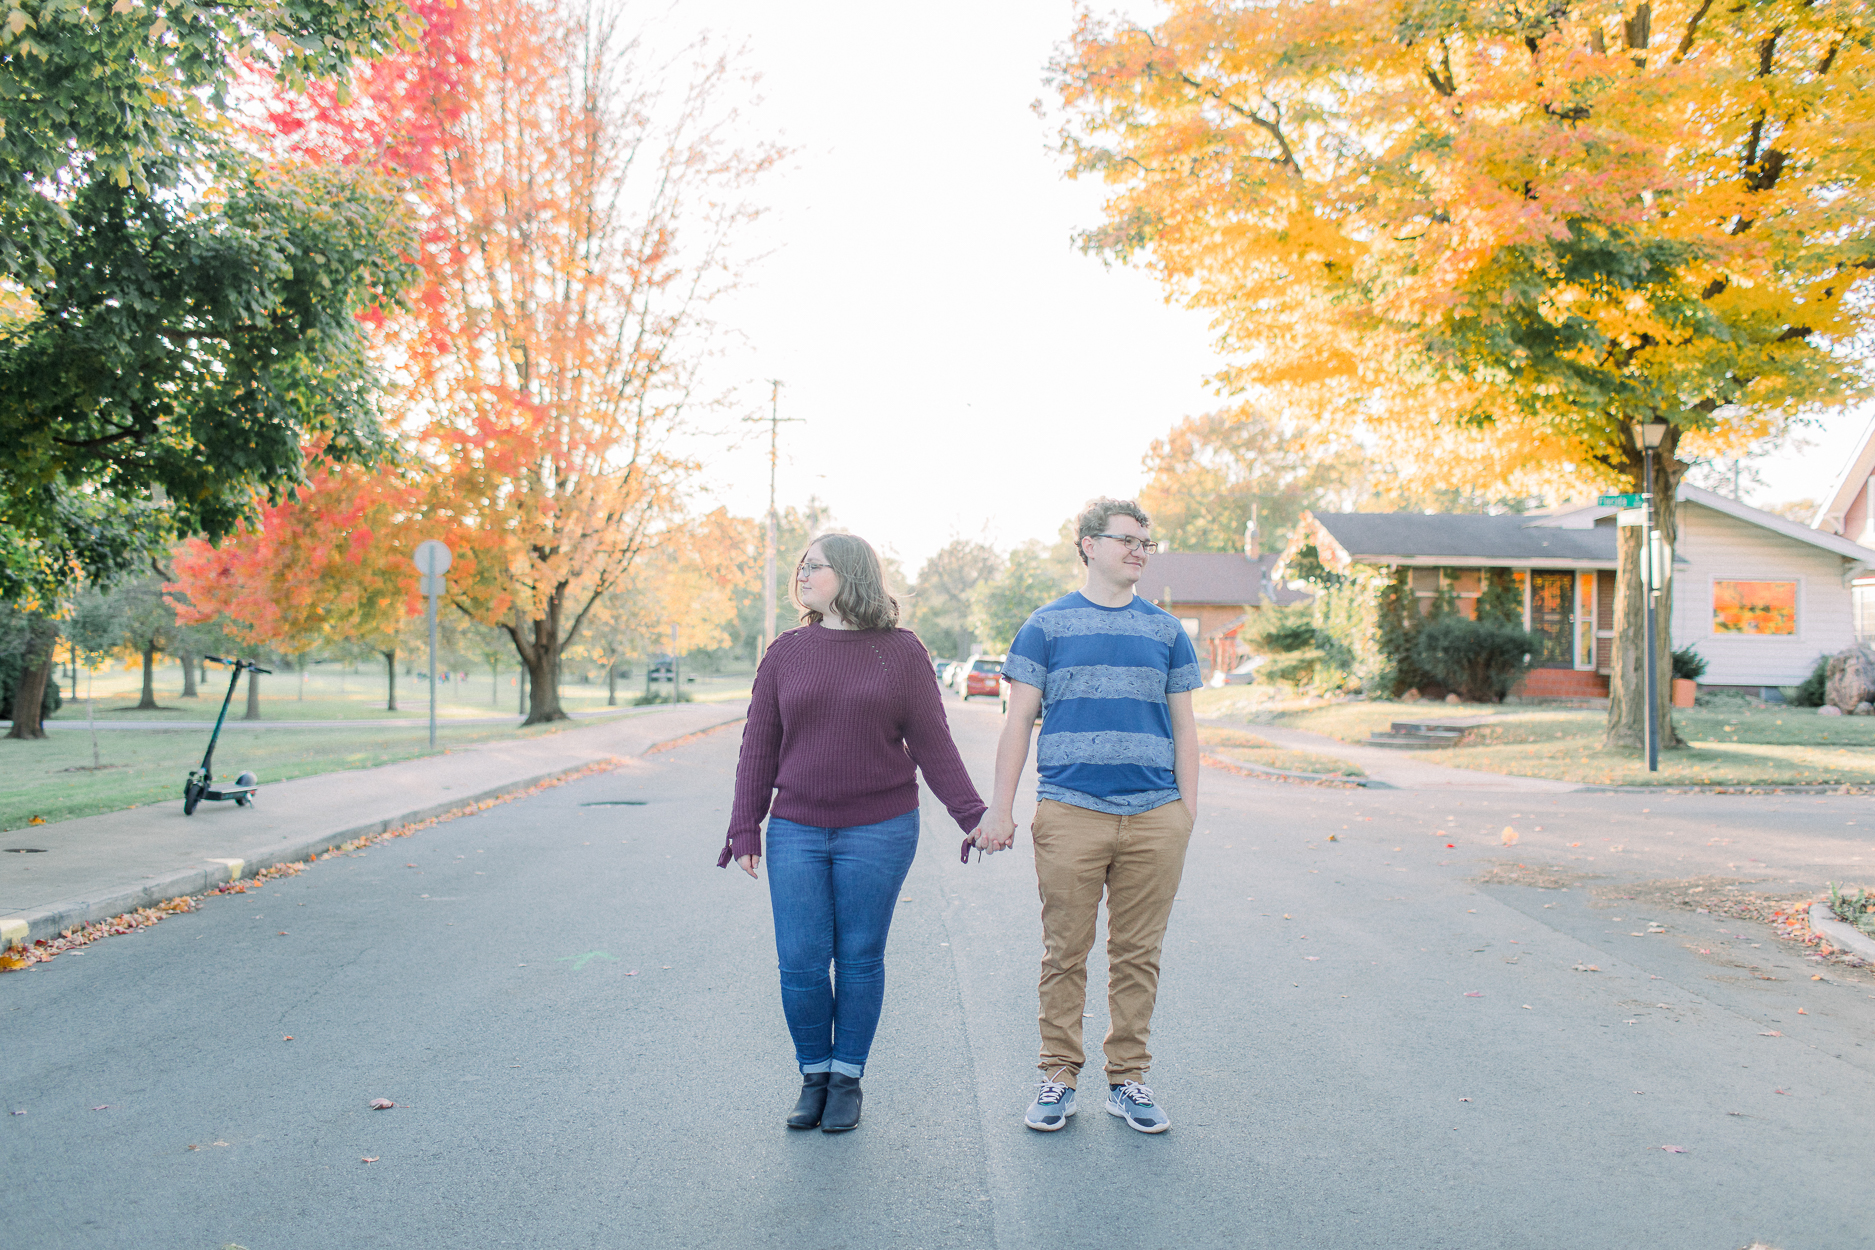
(1214, 594)
(1759, 596)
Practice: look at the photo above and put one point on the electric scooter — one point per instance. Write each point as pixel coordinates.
(196, 788)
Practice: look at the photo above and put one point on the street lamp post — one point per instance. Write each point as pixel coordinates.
(1649, 436)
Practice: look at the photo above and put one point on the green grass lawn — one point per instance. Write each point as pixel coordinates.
(326, 693)
(1744, 746)
(52, 778)
(1243, 748)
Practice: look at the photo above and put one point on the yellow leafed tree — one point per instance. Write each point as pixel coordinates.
(1501, 236)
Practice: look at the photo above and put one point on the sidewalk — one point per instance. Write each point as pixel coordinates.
(95, 867)
(1402, 770)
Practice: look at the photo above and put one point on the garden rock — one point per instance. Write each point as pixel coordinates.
(1850, 679)
(1411, 696)
(1864, 708)
(1829, 710)
(1452, 698)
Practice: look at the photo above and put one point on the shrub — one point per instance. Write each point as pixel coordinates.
(1300, 653)
(1811, 692)
(1688, 663)
(1481, 660)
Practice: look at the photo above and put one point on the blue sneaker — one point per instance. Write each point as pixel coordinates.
(1051, 1108)
(1133, 1103)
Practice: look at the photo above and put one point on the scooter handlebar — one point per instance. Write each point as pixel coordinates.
(248, 664)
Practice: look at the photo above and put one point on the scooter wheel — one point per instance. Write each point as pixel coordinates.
(191, 795)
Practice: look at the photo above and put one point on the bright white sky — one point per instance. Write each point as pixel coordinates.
(960, 368)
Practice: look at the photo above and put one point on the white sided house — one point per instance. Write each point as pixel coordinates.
(1758, 596)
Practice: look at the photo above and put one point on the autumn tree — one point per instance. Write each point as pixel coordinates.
(1035, 574)
(1501, 236)
(1210, 473)
(329, 566)
(581, 201)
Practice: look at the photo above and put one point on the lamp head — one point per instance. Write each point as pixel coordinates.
(1650, 434)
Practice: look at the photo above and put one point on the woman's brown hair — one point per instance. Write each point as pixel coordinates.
(862, 601)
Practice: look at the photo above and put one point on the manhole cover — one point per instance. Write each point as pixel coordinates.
(616, 803)
(26, 850)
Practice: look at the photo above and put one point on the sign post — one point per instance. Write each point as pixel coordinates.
(432, 559)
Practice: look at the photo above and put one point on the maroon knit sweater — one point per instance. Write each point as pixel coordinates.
(837, 723)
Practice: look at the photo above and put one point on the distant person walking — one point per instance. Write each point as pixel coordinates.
(1118, 765)
(843, 709)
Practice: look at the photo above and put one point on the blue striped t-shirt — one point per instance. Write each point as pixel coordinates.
(1104, 674)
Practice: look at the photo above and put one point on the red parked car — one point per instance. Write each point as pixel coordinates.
(980, 674)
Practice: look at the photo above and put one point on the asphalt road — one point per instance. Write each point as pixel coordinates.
(1358, 1043)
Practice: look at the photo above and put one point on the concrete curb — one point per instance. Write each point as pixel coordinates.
(1842, 936)
(1245, 769)
(49, 922)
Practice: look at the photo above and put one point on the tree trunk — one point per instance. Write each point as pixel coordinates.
(1627, 682)
(29, 697)
(538, 643)
(188, 677)
(611, 683)
(253, 696)
(148, 700)
(390, 671)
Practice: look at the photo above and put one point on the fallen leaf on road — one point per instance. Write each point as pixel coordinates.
(1450, 845)
(382, 1104)
(1816, 976)
(1285, 915)
(1784, 1092)
(632, 973)
(287, 1038)
(16, 1113)
(1509, 836)
(1333, 838)
(1474, 993)
(1464, 1100)
(367, 1158)
(194, 1147)
(1802, 1012)
(13, 961)
(1528, 1007)
(1575, 844)
(282, 933)
(105, 1107)
(1587, 968)
(1771, 1033)
(410, 865)
(1311, 958)
(1674, 1150)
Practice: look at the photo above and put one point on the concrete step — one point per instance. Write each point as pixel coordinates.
(1414, 741)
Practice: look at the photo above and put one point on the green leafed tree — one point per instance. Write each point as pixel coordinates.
(1208, 476)
(1035, 574)
(181, 318)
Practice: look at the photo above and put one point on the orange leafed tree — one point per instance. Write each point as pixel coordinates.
(331, 565)
(1501, 236)
(581, 204)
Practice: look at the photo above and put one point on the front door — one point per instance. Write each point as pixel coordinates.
(1553, 617)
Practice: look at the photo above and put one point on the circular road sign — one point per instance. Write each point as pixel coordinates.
(432, 558)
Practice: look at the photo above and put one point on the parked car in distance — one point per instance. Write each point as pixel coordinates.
(979, 676)
(947, 675)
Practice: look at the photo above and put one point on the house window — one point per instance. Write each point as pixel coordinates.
(1862, 602)
(1762, 608)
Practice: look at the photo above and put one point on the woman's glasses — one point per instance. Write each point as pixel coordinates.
(809, 567)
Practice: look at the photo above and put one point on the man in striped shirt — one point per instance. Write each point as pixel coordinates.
(1117, 758)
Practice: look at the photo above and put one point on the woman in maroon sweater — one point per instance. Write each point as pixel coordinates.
(844, 709)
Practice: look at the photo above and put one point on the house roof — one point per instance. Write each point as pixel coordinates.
(1216, 579)
(1855, 473)
(1571, 538)
(1458, 540)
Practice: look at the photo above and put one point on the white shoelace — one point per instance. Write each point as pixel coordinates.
(1140, 1095)
(1052, 1092)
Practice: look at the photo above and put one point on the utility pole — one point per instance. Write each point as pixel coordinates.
(769, 536)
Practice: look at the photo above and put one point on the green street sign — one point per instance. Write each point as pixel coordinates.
(1619, 501)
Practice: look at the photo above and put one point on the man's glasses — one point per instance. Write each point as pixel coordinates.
(1131, 543)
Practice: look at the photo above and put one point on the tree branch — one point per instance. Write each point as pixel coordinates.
(1274, 129)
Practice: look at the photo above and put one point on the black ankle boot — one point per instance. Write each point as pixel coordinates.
(843, 1098)
(806, 1113)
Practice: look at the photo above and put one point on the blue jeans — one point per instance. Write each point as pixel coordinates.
(834, 891)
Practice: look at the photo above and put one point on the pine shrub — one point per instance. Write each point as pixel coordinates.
(1481, 660)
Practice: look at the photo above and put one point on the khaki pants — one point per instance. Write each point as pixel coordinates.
(1137, 861)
